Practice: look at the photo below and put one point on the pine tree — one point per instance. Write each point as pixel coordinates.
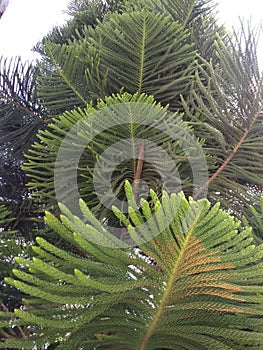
(136, 112)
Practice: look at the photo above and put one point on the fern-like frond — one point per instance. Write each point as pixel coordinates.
(126, 137)
(193, 285)
(63, 69)
(144, 52)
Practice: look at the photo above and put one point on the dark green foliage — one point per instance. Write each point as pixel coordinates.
(21, 117)
(20, 112)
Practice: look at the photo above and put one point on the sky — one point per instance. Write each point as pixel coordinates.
(25, 22)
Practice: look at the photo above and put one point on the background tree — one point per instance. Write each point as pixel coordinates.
(123, 52)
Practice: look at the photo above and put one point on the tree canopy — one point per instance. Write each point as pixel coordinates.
(131, 182)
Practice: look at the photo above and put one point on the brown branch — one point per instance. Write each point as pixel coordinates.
(18, 327)
(137, 178)
(138, 170)
(231, 155)
(25, 109)
(4, 307)
(32, 114)
(30, 219)
(222, 167)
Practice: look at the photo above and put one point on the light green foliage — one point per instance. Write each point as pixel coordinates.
(9, 248)
(194, 285)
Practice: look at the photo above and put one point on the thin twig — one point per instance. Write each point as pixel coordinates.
(18, 327)
(222, 167)
(231, 155)
(25, 109)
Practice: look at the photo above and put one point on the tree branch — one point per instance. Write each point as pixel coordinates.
(18, 327)
(222, 167)
(138, 170)
(230, 156)
(23, 108)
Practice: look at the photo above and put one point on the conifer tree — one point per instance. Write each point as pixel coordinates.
(134, 151)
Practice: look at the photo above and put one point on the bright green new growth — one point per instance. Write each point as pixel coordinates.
(194, 286)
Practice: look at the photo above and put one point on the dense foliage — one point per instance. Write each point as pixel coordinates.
(158, 94)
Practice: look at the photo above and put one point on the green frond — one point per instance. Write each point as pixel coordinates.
(188, 287)
(82, 14)
(62, 84)
(122, 123)
(8, 248)
(21, 117)
(4, 215)
(144, 52)
(198, 17)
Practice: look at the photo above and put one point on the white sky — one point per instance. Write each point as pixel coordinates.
(25, 22)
